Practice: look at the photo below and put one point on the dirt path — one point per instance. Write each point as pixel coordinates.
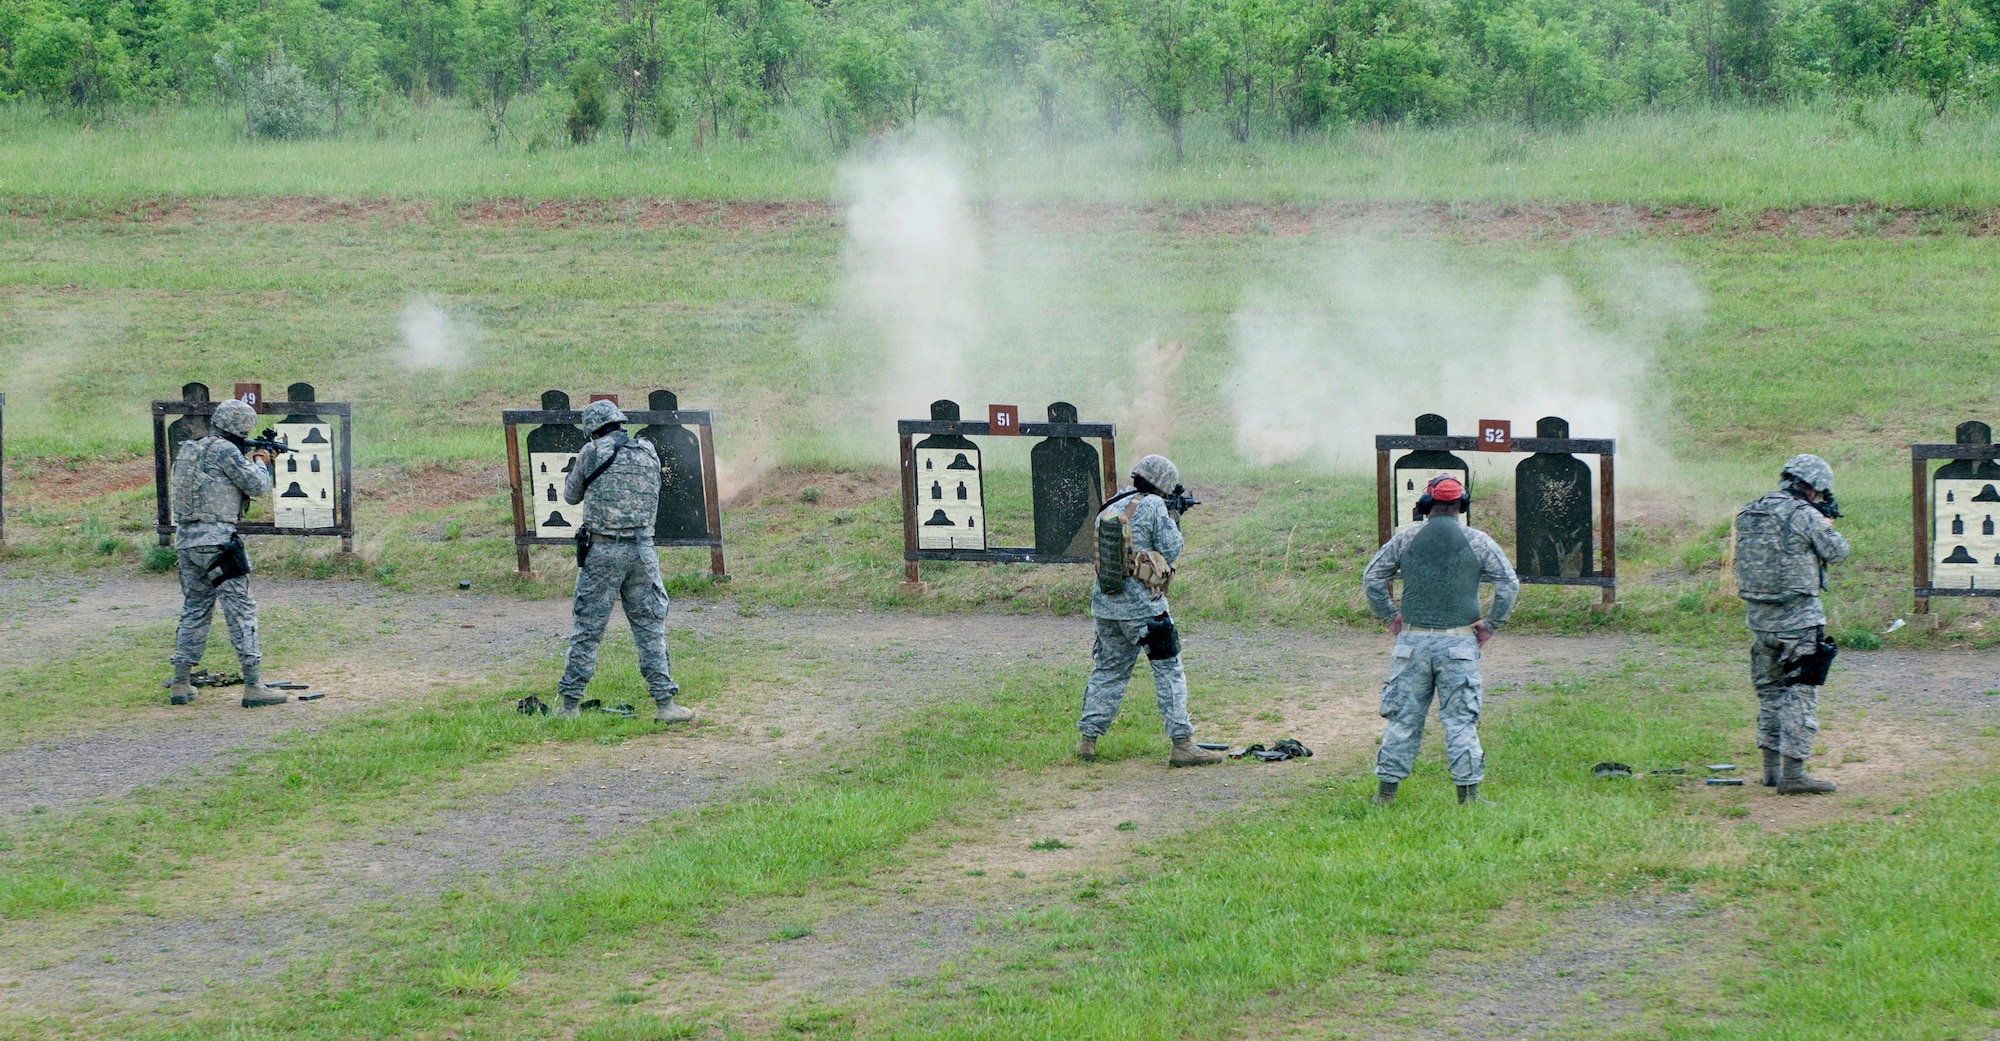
(1504, 221)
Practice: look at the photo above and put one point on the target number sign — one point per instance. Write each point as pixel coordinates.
(1496, 435)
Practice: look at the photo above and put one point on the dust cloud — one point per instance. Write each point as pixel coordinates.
(1151, 413)
(914, 270)
(432, 338)
(1385, 332)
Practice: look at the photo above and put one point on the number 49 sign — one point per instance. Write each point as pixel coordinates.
(1496, 435)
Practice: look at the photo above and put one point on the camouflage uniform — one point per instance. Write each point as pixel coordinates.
(1121, 625)
(212, 480)
(1442, 664)
(1780, 581)
(618, 512)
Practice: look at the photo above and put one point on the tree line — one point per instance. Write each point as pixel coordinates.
(712, 67)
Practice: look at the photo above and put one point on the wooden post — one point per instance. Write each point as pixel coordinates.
(164, 507)
(1109, 446)
(1385, 499)
(345, 470)
(521, 562)
(717, 569)
(3, 469)
(1920, 542)
(911, 577)
(1608, 522)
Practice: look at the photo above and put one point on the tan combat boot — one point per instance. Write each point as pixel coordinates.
(1771, 765)
(182, 692)
(1086, 749)
(260, 695)
(1186, 754)
(1793, 781)
(1385, 792)
(668, 712)
(255, 694)
(571, 708)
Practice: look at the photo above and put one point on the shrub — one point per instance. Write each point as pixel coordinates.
(586, 106)
(280, 105)
(158, 559)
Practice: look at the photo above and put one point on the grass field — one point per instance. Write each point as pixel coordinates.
(876, 829)
(1886, 152)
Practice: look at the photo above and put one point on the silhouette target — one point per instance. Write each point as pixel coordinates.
(1553, 509)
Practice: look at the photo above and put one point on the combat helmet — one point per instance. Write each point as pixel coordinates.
(599, 414)
(1158, 471)
(234, 417)
(1809, 470)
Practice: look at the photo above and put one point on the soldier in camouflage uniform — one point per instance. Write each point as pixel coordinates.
(1123, 618)
(1783, 544)
(1439, 632)
(212, 481)
(617, 479)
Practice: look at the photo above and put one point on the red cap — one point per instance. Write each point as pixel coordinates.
(1446, 488)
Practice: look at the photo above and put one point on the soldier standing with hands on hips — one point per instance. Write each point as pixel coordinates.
(1784, 541)
(213, 480)
(1138, 540)
(1439, 632)
(617, 479)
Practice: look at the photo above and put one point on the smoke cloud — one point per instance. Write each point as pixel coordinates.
(914, 274)
(433, 339)
(1385, 333)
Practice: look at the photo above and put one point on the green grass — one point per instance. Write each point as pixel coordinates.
(1897, 154)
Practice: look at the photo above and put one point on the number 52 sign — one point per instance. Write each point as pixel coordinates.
(1496, 435)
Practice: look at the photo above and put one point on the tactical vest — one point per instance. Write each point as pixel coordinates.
(1774, 561)
(1440, 576)
(1114, 545)
(202, 490)
(625, 498)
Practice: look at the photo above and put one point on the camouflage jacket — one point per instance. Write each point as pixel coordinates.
(212, 480)
(625, 499)
(1493, 567)
(1808, 540)
(1154, 529)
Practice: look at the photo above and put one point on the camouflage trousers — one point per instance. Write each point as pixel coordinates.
(1787, 718)
(1117, 649)
(1425, 667)
(198, 599)
(627, 572)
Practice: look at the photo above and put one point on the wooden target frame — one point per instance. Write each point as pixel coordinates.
(343, 456)
(1105, 434)
(1603, 448)
(703, 420)
(1922, 518)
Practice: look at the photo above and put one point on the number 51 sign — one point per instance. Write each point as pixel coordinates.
(1496, 435)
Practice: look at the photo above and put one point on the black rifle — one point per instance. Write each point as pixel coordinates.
(268, 441)
(1180, 500)
(1828, 506)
